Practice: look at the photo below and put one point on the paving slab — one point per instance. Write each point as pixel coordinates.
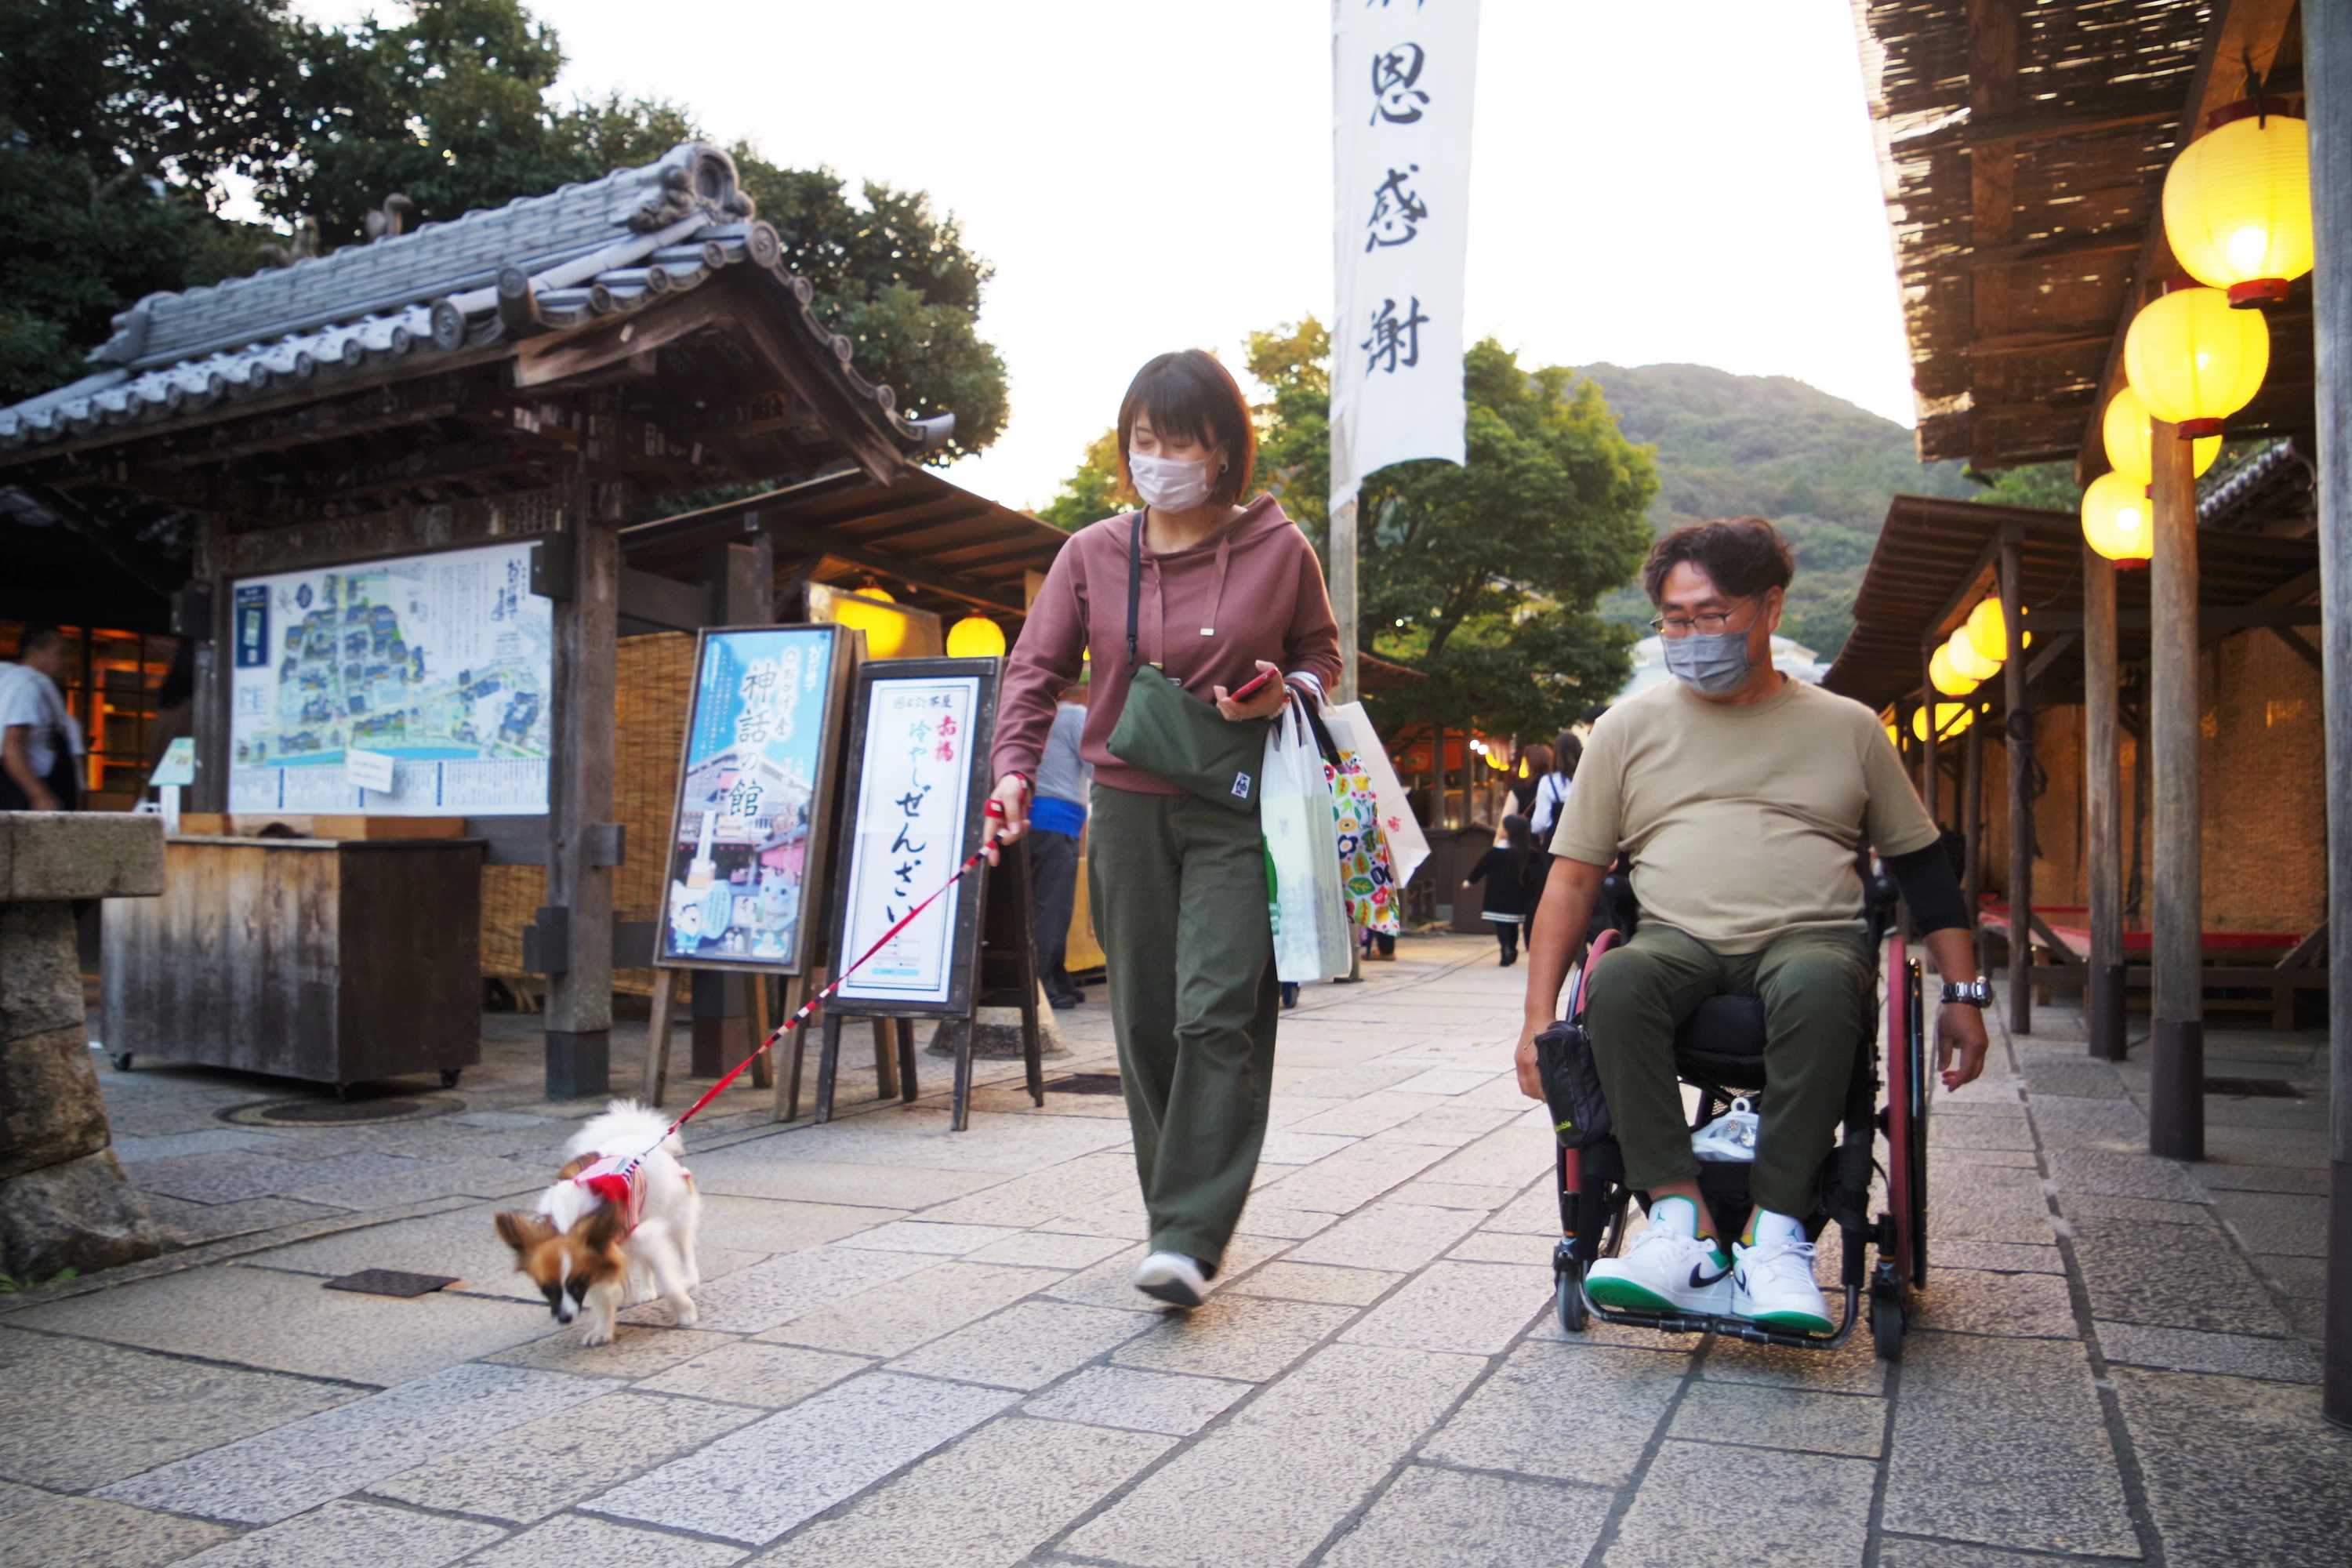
(1036, 1196)
(1048, 1250)
(761, 1480)
(779, 1225)
(514, 1181)
(915, 1138)
(1365, 1114)
(2286, 1223)
(754, 1300)
(576, 1538)
(2111, 1175)
(1295, 1225)
(1796, 1510)
(2187, 1350)
(928, 1236)
(1279, 1474)
(277, 1474)
(1138, 1401)
(1757, 1415)
(2136, 1211)
(1476, 1307)
(544, 1466)
(1976, 1414)
(1347, 1180)
(1496, 1246)
(894, 1317)
(1994, 1257)
(1573, 1413)
(2173, 1277)
(14, 1498)
(80, 1414)
(191, 1224)
(1965, 1300)
(2238, 1470)
(1387, 1235)
(463, 1242)
(750, 1373)
(205, 1141)
(352, 1535)
(2074, 1122)
(85, 1529)
(752, 1171)
(230, 1174)
(1028, 1346)
(1008, 1487)
(636, 1352)
(1903, 1552)
(1234, 1336)
(1317, 1282)
(2219, 1175)
(1443, 1519)
(1451, 1123)
(1287, 1148)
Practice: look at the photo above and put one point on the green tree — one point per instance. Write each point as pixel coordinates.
(1093, 492)
(2048, 485)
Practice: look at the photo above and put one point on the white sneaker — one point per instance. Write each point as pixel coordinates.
(1664, 1271)
(1772, 1284)
(1172, 1278)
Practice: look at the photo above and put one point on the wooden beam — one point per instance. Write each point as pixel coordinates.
(665, 601)
(2239, 28)
(2031, 344)
(2176, 945)
(2058, 248)
(616, 340)
(2214, 619)
(2075, 120)
(817, 542)
(2020, 703)
(1994, 36)
(2302, 648)
(2103, 828)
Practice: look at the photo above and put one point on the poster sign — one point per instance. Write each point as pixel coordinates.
(179, 764)
(443, 663)
(755, 792)
(1402, 101)
(919, 776)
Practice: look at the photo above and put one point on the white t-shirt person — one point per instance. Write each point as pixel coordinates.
(29, 698)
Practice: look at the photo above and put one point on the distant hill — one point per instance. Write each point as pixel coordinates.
(1821, 468)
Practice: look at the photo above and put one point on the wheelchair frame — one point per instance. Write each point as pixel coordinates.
(1593, 1198)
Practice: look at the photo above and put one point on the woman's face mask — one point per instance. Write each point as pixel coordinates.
(1171, 484)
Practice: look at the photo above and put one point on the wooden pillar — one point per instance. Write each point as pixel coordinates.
(209, 715)
(2327, 81)
(2103, 999)
(1342, 569)
(1931, 782)
(2175, 1115)
(2020, 730)
(580, 800)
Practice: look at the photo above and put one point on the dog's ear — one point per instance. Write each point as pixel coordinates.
(600, 1229)
(576, 1167)
(522, 1231)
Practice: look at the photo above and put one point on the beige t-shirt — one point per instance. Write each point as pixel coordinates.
(1742, 820)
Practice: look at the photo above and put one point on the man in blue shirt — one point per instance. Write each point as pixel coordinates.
(1057, 816)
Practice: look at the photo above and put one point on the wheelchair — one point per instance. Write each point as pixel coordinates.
(1719, 1051)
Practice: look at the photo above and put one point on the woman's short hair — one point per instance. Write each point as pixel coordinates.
(1745, 555)
(1190, 396)
(1538, 755)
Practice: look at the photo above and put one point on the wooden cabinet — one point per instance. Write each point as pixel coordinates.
(337, 961)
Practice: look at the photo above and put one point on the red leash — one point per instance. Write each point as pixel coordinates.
(994, 810)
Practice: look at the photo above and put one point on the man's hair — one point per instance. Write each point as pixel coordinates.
(1745, 555)
(39, 640)
(1190, 396)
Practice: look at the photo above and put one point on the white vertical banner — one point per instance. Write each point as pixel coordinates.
(1403, 75)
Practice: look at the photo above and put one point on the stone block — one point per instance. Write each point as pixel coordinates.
(751, 1170)
(15, 1499)
(2171, 1276)
(1851, 1369)
(1040, 1195)
(284, 1472)
(1234, 1335)
(1279, 1475)
(70, 1530)
(1798, 1510)
(1444, 1518)
(50, 1110)
(2111, 1173)
(1388, 1236)
(763, 1479)
(1316, 1282)
(766, 1294)
(1997, 1258)
(2238, 1470)
(1977, 1414)
(1899, 1553)
(1008, 1487)
(40, 977)
(1572, 1412)
(1048, 1250)
(924, 1236)
(1961, 1300)
(640, 1352)
(1764, 1418)
(1476, 1307)
(48, 857)
(82, 1414)
(2289, 1223)
(81, 1214)
(577, 1539)
(2186, 1350)
(751, 1373)
(1344, 1182)
(894, 1318)
(1136, 1401)
(352, 1535)
(1028, 1346)
(529, 1471)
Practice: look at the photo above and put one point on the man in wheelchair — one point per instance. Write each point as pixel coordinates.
(1740, 798)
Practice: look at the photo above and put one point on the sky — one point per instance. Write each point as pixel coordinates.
(1673, 180)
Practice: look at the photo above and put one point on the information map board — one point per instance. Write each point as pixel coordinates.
(442, 662)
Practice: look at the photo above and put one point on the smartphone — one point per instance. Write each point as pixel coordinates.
(1254, 685)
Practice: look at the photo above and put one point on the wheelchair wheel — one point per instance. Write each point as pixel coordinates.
(1886, 1328)
(1567, 1300)
(1903, 1241)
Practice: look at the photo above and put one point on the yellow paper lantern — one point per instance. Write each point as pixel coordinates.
(1944, 678)
(2237, 204)
(1966, 659)
(867, 611)
(976, 637)
(2117, 521)
(2131, 443)
(1952, 718)
(2195, 361)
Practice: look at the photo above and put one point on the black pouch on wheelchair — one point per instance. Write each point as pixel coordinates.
(1571, 1086)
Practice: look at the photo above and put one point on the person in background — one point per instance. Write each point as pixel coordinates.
(1551, 790)
(40, 745)
(1535, 764)
(1506, 869)
(175, 704)
(1058, 816)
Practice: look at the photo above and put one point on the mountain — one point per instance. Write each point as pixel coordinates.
(1821, 468)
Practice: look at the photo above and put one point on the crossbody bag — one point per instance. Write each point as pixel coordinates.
(1173, 735)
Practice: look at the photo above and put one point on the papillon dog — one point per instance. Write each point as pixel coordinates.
(602, 1222)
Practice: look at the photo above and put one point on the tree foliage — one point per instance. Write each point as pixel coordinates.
(1093, 492)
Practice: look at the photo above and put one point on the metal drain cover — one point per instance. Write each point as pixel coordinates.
(354, 1112)
(1087, 1083)
(2253, 1088)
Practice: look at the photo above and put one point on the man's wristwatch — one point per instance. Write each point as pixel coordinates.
(1976, 992)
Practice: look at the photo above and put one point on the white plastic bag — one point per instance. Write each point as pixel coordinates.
(1351, 727)
(1311, 938)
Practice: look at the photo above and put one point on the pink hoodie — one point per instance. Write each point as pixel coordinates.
(1206, 617)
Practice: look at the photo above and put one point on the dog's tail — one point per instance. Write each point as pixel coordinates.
(626, 1127)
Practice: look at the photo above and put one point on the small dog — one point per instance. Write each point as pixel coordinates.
(584, 1241)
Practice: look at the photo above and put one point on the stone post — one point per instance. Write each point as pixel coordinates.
(64, 1200)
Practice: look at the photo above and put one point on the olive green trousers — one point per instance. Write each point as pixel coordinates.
(1178, 888)
(1818, 990)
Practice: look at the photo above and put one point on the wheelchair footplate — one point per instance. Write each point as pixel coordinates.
(1565, 1269)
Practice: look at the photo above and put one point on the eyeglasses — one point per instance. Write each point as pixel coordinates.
(1710, 623)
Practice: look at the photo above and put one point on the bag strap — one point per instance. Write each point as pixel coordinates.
(1134, 586)
(1323, 742)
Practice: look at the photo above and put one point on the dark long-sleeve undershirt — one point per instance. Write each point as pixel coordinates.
(1929, 886)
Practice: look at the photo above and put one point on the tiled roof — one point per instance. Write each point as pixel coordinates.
(589, 250)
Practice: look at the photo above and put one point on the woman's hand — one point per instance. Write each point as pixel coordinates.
(1265, 705)
(1012, 793)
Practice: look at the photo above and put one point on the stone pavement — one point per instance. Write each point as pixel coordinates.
(921, 1348)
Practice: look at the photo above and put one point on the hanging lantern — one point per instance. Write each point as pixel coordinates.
(2131, 444)
(1944, 678)
(2195, 361)
(2237, 203)
(976, 637)
(2117, 521)
(1966, 659)
(1952, 718)
(869, 610)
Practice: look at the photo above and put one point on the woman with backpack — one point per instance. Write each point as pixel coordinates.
(1552, 790)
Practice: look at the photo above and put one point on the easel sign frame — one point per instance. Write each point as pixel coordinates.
(721, 704)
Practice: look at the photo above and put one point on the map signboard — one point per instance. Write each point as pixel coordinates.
(442, 662)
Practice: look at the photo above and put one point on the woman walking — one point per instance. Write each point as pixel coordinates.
(1211, 593)
(1552, 790)
(1507, 869)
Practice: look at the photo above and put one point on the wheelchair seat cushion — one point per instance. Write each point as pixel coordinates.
(1722, 1043)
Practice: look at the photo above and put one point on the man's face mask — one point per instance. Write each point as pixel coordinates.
(1171, 484)
(1710, 664)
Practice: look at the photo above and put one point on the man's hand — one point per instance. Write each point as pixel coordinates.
(1524, 1060)
(1959, 1026)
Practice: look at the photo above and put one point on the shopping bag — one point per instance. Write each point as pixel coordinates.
(1351, 727)
(1367, 883)
(1311, 939)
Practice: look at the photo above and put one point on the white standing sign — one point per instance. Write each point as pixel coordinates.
(1402, 92)
(913, 804)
